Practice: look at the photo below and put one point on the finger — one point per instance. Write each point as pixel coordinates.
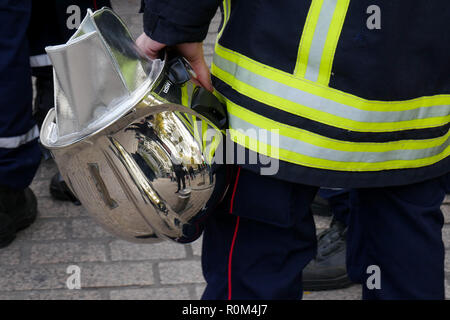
(193, 52)
(149, 47)
(203, 74)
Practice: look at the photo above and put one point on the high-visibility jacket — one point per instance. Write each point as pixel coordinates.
(345, 93)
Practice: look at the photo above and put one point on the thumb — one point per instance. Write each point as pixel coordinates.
(193, 52)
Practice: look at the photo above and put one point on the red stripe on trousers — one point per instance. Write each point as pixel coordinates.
(234, 189)
(95, 5)
(230, 257)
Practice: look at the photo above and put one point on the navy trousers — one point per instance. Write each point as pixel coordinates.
(338, 200)
(447, 183)
(19, 149)
(263, 234)
(398, 229)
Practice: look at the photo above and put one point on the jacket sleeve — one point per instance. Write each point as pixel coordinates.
(177, 21)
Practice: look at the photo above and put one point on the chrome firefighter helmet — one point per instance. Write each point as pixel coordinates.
(133, 138)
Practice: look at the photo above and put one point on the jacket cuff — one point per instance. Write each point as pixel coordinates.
(169, 33)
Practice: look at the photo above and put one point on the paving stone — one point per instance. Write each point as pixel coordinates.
(208, 60)
(172, 293)
(447, 288)
(46, 170)
(215, 25)
(72, 252)
(88, 229)
(321, 222)
(210, 39)
(49, 208)
(72, 210)
(126, 6)
(351, 293)
(34, 278)
(447, 261)
(41, 188)
(208, 51)
(446, 211)
(197, 246)
(62, 294)
(45, 229)
(447, 199)
(199, 289)
(180, 272)
(134, 23)
(121, 250)
(446, 236)
(116, 274)
(217, 17)
(10, 255)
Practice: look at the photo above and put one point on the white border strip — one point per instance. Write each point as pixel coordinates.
(41, 60)
(15, 142)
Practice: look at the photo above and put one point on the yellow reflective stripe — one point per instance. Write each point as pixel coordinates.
(356, 119)
(313, 162)
(212, 149)
(332, 41)
(324, 117)
(328, 143)
(307, 38)
(184, 96)
(327, 92)
(204, 132)
(319, 39)
(185, 122)
(196, 132)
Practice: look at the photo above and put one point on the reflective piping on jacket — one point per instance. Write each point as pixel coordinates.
(41, 60)
(331, 43)
(307, 38)
(327, 105)
(196, 130)
(17, 141)
(302, 147)
(318, 42)
(325, 142)
(319, 39)
(226, 4)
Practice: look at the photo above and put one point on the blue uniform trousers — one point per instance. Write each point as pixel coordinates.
(263, 234)
(447, 183)
(19, 149)
(398, 229)
(338, 199)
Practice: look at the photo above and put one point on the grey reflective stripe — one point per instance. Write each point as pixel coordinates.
(310, 150)
(17, 141)
(41, 60)
(322, 104)
(319, 39)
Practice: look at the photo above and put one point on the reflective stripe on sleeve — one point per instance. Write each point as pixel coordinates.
(41, 60)
(17, 141)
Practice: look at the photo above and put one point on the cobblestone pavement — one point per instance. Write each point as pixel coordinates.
(35, 265)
